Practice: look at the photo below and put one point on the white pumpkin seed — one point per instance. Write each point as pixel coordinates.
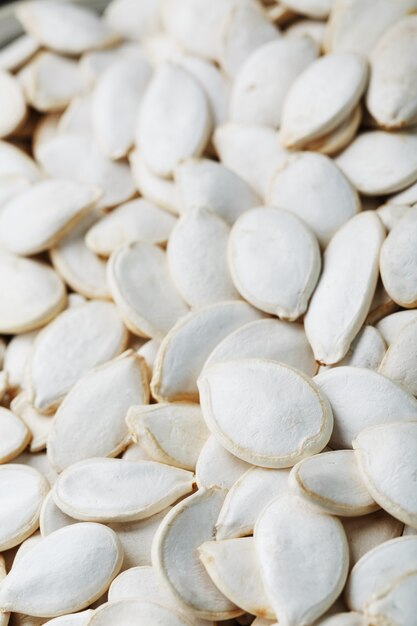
(392, 325)
(391, 214)
(14, 436)
(148, 351)
(104, 489)
(17, 52)
(398, 260)
(217, 468)
(35, 294)
(233, 566)
(399, 362)
(396, 605)
(251, 151)
(336, 140)
(73, 619)
(322, 96)
(332, 482)
(247, 498)
(116, 100)
(205, 183)
(134, 19)
(22, 490)
(65, 572)
(300, 589)
(161, 191)
(143, 290)
(49, 209)
(377, 162)
(128, 612)
(137, 220)
(366, 350)
(379, 569)
(314, 29)
(274, 261)
(183, 530)
(352, 251)
(360, 398)
(318, 9)
(310, 186)
(186, 347)
(198, 247)
(77, 340)
(38, 424)
(90, 422)
(12, 103)
(52, 518)
(166, 134)
(263, 80)
(273, 401)
(171, 433)
(15, 162)
(267, 339)
(368, 531)
(386, 456)
(66, 28)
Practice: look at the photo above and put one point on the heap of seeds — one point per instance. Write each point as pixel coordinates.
(208, 314)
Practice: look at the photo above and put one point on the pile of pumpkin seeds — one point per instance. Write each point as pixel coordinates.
(208, 314)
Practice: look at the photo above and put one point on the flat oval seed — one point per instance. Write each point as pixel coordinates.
(137, 220)
(50, 81)
(52, 518)
(17, 52)
(48, 209)
(22, 490)
(81, 269)
(133, 19)
(65, 572)
(206, 183)
(378, 163)
(300, 589)
(366, 350)
(35, 294)
(128, 612)
(106, 489)
(352, 251)
(234, 568)
(12, 103)
(274, 261)
(78, 157)
(332, 482)
(171, 433)
(143, 290)
(368, 531)
(161, 191)
(386, 455)
(185, 348)
(15, 162)
(318, 9)
(360, 398)
(312, 187)
(251, 151)
(69, 29)
(391, 214)
(379, 569)
(168, 134)
(396, 605)
(14, 435)
(267, 339)
(399, 363)
(399, 260)
(322, 96)
(76, 341)
(116, 100)
(245, 29)
(263, 80)
(356, 25)
(216, 467)
(392, 92)
(184, 529)
(392, 325)
(197, 247)
(273, 401)
(247, 498)
(336, 140)
(90, 422)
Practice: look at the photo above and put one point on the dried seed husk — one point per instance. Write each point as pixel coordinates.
(267, 339)
(392, 325)
(366, 350)
(274, 260)
(218, 468)
(12, 103)
(14, 435)
(143, 290)
(162, 191)
(353, 251)
(395, 605)
(15, 162)
(90, 422)
(361, 397)
(267, 397)
(186, 347)
(399, 363)
(52, 518)
(17, 52)
(65, 572)
(105, 489)
(300, 589)
(128, 612)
